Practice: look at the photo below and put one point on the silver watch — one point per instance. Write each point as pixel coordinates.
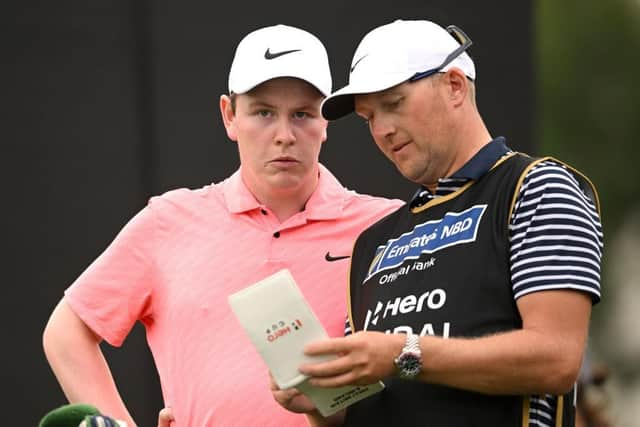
(409, 361)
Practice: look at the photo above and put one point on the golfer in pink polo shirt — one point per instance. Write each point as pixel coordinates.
(174, 264)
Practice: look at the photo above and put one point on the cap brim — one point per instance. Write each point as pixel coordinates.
(250, 85)
(341, 102)
(337, 105)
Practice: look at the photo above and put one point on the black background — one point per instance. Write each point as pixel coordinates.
(107, 103)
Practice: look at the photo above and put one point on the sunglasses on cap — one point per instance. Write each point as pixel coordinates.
(461, 38)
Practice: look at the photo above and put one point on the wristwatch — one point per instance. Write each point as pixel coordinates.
(409, 361)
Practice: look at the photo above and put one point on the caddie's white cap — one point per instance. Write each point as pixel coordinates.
(394, 53)
(279, 51)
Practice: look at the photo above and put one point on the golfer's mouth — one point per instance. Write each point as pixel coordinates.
(284, 161)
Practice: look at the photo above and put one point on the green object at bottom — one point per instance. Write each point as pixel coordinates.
(68, 415)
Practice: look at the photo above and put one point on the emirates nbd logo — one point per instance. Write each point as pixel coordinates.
(455, 228)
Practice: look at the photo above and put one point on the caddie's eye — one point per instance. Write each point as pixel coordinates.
(393, 103)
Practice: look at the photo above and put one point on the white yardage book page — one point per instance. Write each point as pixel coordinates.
(279, 322)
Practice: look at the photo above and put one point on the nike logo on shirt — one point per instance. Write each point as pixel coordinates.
(330, 258)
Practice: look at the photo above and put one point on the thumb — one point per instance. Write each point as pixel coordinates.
(165, 417)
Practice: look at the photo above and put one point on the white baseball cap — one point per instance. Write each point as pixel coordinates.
(397, 52)
(279, 51)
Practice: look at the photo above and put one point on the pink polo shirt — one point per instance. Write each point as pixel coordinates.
(173, 266)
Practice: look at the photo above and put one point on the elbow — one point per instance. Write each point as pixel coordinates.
(47, 336)
(562, 384)
(563, 376)
(50, 337)
(65, 331)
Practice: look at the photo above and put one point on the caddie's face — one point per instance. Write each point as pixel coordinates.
(279, 131)
(411, 125)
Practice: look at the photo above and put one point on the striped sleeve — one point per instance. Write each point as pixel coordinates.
(555, 233)
(347, 327)
(542, 411)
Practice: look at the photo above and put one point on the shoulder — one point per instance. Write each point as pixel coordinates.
(185, 201)
(373, 202)
(373, 207)
(544, 174)
(381, 225)
(547, 167)
(548, 170)
(552, 178)
(331, 189)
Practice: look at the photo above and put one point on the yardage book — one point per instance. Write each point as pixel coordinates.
(279, 322)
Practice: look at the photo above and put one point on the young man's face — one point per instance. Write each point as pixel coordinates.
(412, 125)
(279, 131)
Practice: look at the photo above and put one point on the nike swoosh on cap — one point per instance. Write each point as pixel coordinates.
(271, 55)
(330, 258)
(353, 67)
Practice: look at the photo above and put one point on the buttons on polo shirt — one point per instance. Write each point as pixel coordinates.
(276, 234)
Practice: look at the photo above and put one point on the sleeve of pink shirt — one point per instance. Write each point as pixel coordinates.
(115, 291)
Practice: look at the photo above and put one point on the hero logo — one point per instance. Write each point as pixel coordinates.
(282, 328)
(454, 228)
(432, 300)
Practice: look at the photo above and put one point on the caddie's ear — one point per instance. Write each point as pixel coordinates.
(228, 116)
(457, 85)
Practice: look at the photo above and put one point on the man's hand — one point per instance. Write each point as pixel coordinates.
(291, 399)
(362, 358)
(165, 417)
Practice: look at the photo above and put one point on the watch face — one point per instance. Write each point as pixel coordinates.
(409, 364)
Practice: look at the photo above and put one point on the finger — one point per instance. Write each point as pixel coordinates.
(284, 397)
(330, 346)
(165, 416)
(272, 383)
(331, 368)
(347, 378)
(290, 393)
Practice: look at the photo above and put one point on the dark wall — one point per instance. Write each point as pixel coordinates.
(106, 104)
